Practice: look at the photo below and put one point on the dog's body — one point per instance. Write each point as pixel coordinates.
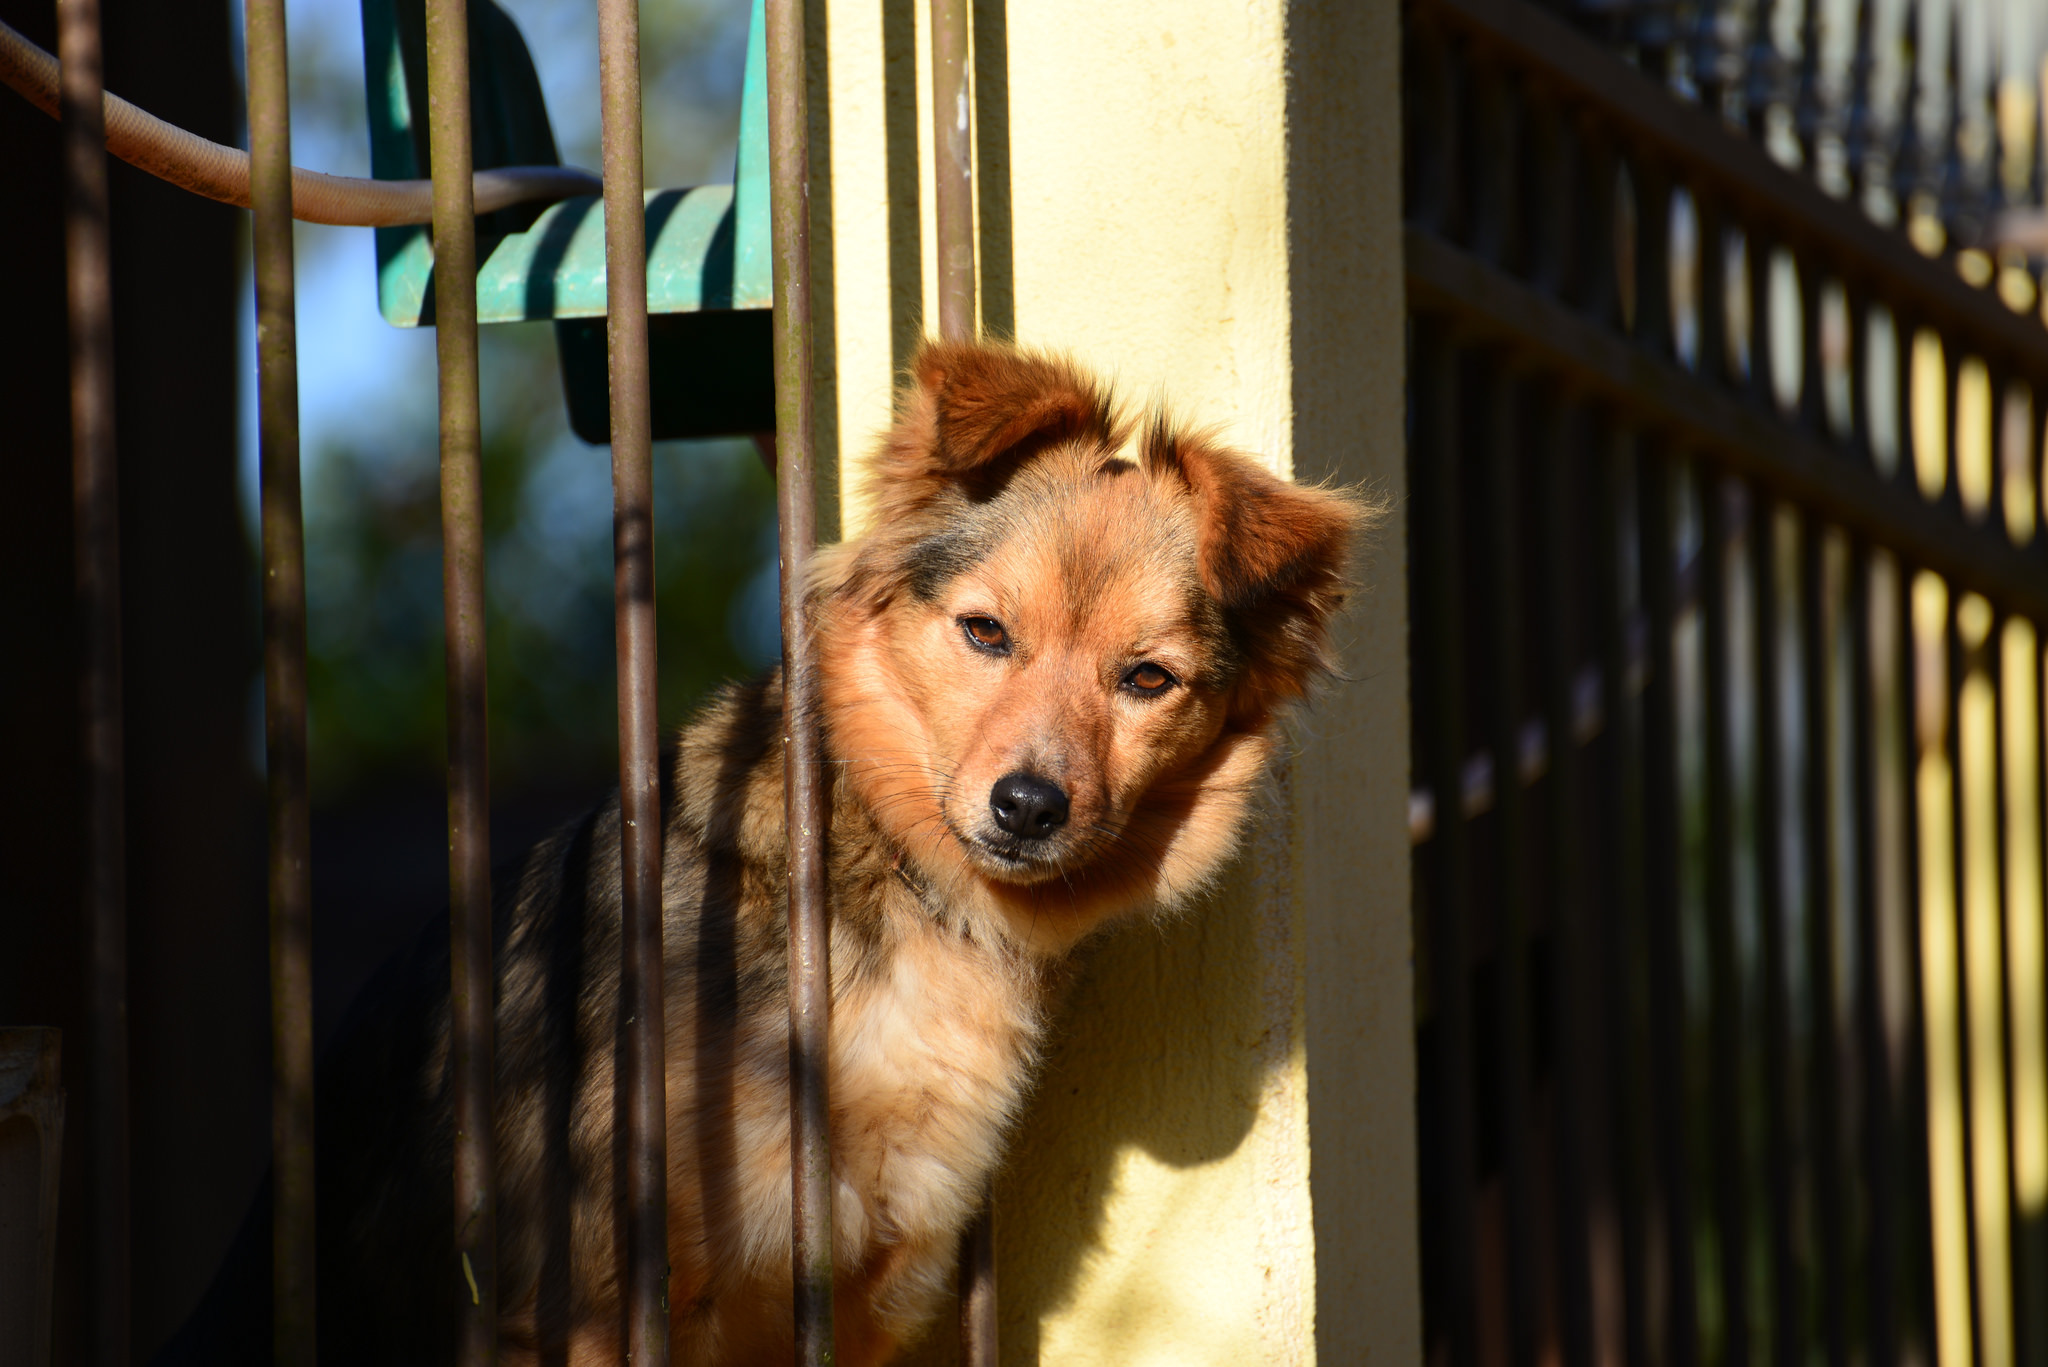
(1050, 682)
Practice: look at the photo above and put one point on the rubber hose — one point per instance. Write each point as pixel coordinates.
(222, 173)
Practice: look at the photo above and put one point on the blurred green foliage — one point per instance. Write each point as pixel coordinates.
(373, 537)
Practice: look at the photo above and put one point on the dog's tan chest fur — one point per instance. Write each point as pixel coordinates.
(931, 1053)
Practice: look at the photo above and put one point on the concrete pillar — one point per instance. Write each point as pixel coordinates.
(1201, 198)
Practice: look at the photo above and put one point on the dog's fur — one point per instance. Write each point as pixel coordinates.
(1009, 501)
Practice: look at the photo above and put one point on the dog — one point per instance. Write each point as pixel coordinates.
(1050, 680)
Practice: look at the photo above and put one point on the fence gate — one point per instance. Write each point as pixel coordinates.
(1728, 592)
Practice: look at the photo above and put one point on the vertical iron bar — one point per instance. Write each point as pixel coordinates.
(1662, 844)
(979, 1341)
(1918, 1258)
(284, 683)
(953, 169)
(1440, 662)
(644, 1189)
(1958, 655)
(1575, 965)
(953, 179)
(1781, 1108)
(810, 1000)
(1828, 1060)
(474, 1285)
(1878, 1081)
(96, 549)
(1513, 1020)
(1623, 784)
(1724, 1078)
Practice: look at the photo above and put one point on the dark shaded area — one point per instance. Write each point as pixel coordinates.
(196, 946)
(712, 374)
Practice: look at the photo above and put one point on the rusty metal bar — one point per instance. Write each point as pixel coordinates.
(1787, 1316)
(1438, 484)
(979, 1341)
(1727, 1194)
(470, 995)
(810, 969)
(953, 198)
(644, 1184)
(284, 684)
(953, 168)
(1498, 458)
(1671, 1135)
(96, 551)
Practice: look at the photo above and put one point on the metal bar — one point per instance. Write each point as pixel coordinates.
(1788, 1312)
(979, 1342)
(1828, 1060)
(1440, 672)
(1490, 304)
(471, 996)
(1919, 1269)
(953, 197)
(1503, 700)
(1621, 786)
(1743, 174)
(1661, 800)
(803, 775)
(644, 1274)
(1575, 968)
(1724, 989)
(1956, 656)
(284, 684)
(1881, 1073)
(96, 550)
(953, 168)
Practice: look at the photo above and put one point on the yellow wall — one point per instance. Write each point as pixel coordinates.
(1200, 197)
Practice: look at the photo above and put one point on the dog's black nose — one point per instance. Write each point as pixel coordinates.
(1028, 806)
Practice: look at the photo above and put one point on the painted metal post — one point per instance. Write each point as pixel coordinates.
(96, 543)
(953, 168)
(474, 1285)
(644, 1185)
(284, 684)
(953, 179)
(810, 970)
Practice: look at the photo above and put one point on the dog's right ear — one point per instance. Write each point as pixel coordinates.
(973, 411)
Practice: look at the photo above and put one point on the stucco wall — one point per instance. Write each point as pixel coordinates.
(1200, 197)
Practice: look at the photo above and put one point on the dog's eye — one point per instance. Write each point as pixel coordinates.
(1148, 678)
(986, 633)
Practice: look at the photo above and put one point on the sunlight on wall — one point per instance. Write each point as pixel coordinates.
(1973, 436)
(1930, 413)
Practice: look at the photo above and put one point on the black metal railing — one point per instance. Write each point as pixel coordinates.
(1727, 580)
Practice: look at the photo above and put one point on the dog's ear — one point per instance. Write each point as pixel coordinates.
(972, 411)
(1271, 553)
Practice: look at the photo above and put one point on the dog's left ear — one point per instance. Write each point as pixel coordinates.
(1272, 554)
(972, 412)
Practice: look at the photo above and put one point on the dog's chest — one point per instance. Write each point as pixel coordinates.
(930, 1057)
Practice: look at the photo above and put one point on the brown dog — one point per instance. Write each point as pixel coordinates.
(1051, 678)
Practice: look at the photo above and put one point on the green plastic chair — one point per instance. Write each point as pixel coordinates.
(709, 281)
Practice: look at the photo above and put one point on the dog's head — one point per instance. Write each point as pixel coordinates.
(1053, 669)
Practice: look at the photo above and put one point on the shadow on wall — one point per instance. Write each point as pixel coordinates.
(1159, 1059)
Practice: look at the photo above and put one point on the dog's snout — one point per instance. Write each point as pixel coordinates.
(1028, 806)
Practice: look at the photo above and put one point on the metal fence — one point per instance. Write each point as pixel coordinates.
(1727, 578)
(269, 191)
